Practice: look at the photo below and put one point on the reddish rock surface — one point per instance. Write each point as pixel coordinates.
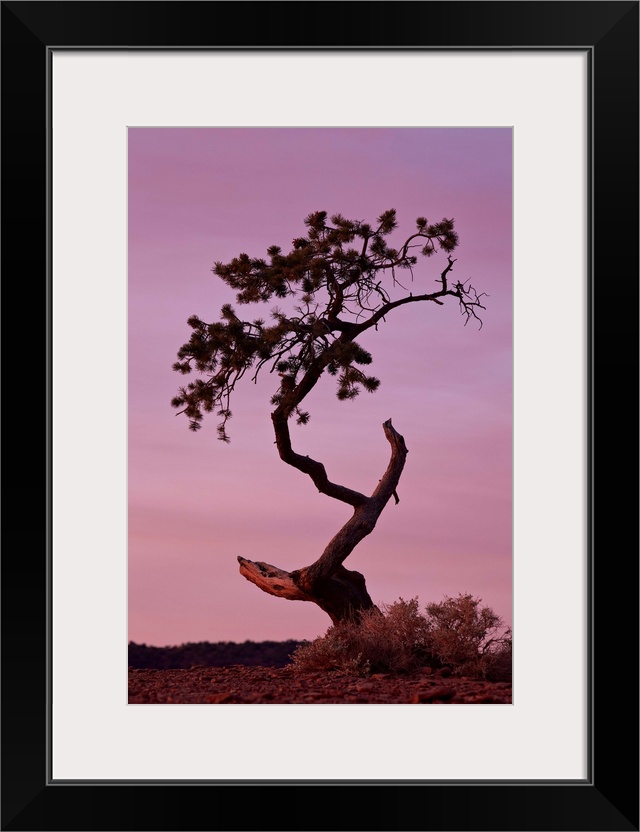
(238, 684)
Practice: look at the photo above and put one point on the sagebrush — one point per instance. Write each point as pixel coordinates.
(457, 633)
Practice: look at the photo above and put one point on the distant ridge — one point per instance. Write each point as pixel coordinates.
(213, 654)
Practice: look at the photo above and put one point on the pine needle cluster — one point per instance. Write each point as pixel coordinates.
(341, 278)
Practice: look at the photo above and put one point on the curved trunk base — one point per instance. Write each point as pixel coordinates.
(341, 593)
(343, 596)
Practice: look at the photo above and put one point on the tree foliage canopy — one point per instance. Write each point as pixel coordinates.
(343, 277)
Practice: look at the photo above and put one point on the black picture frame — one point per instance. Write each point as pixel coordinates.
(608, 799)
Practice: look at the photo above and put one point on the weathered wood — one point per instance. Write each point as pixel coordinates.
(341, 593)
(270, 579)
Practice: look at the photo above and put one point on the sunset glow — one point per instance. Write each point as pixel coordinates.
(200, 195)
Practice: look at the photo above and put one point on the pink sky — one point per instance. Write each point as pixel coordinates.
(201, 195)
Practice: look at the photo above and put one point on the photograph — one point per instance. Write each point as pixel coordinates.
(320, 405)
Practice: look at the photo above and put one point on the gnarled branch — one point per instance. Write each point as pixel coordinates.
(361, 523)
(334, 588)
(307, 465)
(271, 579)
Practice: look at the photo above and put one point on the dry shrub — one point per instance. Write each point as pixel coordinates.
(458, 633)
(469, 638)
(390, 640)
(497, 665)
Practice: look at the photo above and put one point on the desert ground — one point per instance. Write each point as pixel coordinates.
(238, 684)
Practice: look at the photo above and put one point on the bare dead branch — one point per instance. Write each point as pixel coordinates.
(271, 579)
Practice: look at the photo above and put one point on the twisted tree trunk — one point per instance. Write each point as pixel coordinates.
(341, 593)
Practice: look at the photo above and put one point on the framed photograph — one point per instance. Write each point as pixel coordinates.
(526, 116)
(444, 378)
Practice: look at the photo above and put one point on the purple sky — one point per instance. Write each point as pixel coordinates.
(201, 195)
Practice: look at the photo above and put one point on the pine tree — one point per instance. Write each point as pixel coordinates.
(341, 279)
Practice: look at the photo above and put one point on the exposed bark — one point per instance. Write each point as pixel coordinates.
(341, 593)
(271, 579)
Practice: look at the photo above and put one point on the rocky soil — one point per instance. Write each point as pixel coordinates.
(238, 684)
